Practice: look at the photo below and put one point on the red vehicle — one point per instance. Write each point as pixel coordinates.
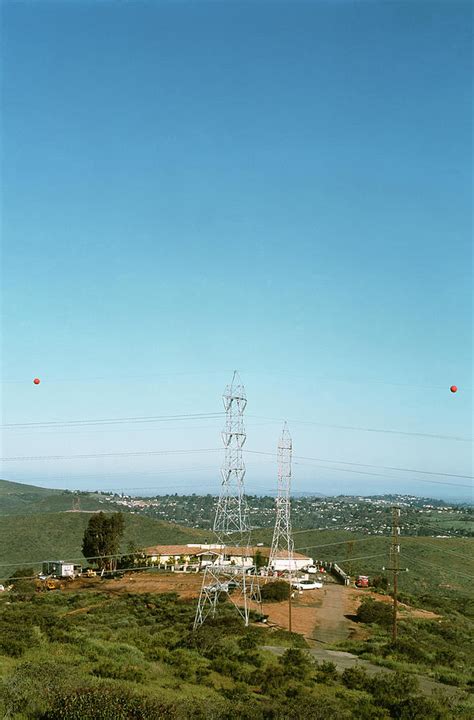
(362, 581)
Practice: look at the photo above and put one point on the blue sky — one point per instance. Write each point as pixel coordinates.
(279, 187)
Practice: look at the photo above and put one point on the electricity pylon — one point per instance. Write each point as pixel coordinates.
(282, 543)
(231, 518)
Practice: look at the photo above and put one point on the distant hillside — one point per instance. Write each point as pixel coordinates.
(29, 539)
(435, 565)
(19, 499)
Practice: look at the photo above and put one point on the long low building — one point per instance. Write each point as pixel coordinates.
(208, 554)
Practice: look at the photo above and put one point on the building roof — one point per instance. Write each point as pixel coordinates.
(170, 550)
(283, 555)
(229, 550)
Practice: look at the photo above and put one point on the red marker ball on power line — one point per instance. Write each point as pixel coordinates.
(453, 388)
(36, 381)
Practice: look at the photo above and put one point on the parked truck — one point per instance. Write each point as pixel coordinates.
(362, 581)
(59, 569)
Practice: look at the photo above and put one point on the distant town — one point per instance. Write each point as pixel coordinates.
(371, 515)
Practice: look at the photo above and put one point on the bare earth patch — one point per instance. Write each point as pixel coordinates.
(323, 615)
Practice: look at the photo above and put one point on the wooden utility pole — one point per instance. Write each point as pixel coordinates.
(395, 560)
(289, 607)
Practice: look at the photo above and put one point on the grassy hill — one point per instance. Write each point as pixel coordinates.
(29, 539)
(20, 499)
(435, 565)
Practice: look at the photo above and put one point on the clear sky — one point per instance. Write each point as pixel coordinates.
(278, 187)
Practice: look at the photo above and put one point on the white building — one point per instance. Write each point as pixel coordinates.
(281, 563)
(203, 555)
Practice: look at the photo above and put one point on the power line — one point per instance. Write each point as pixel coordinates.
(382, 467)
(213, 415)
(437, 436)
(112, 421)
(135, 554)
(340, 542)
(256, 452)
(113, 454)
(361, 557)
(433, 565)
(469, 558)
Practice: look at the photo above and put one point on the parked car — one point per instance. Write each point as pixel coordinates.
(307, 585)
(217, 587)
(311, 569)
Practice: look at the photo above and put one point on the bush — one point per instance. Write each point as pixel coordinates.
(119, 671)
(107, 703)
(327, 673)
(371, 611)
(296, 663)
(355, 678)
(275, 591)
(30, 690)
(379, 582)
(411, 650)
(23, 581)
(393, 688)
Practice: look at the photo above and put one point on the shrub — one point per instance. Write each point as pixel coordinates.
(275, 591)
(30, 690)
(371, 611)
(119, 671)
(23, 581)
(355, 678)
(412, 650)
(107, 703)
(327, 672)
(379, 582)
(391, 688)
(296, 664)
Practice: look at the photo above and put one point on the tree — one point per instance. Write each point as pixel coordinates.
(102, 538)
(135, 556)
(258, 560)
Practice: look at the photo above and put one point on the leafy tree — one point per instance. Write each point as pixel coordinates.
(102, 538)
(258, 560)
(135, 556)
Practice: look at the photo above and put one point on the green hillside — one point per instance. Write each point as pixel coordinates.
(435, 565)
(29, 539)
(20, 499)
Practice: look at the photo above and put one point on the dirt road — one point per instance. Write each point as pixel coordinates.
(343, 660)
(320, 614)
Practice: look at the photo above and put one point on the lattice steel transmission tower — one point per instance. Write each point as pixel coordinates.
(282, 543)
(232, 513)
(231, 518)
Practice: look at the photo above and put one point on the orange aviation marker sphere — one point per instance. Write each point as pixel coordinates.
(36, 381)
(453, 388)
